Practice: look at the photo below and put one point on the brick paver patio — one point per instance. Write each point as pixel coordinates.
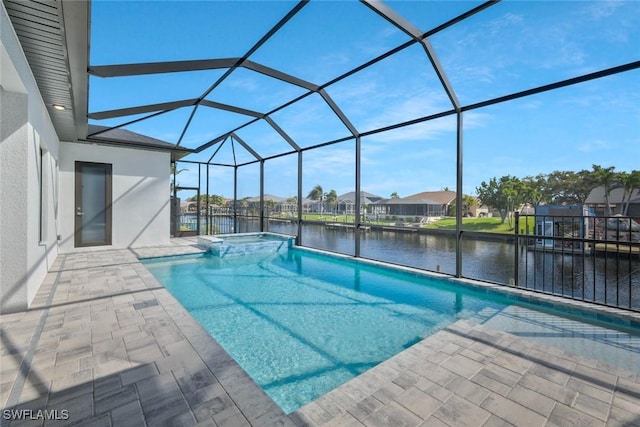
(106, 342)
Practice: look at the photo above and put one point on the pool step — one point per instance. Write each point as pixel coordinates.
(222, 247)
(239, 249)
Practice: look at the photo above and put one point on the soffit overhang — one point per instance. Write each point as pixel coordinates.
(54, 39)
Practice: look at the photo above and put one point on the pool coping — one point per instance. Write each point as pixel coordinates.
(167, 369)
(488, 373)
(250, 399)
(471, 375)
(395, 379)
(251, 405)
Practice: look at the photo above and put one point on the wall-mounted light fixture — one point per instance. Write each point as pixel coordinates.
(59, 107)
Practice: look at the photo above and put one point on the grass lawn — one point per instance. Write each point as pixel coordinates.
(328, 217)
(317, 217)
(489, 224)
(342, 218)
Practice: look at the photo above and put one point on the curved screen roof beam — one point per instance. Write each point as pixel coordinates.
(124, 70)
(246, 146)
(169, 67)
(406, 44)
(219, 106)
(231, 64)
(231, 108)
(286, 104)
(276, 74)
(224, 140)
(246, 112)
(110, 114)
(233, 152)
(393, 51)
(130, 122)
(568, 82)
(282, 133)
(408, 28)
(256, 46)
(186, 126)
(244, 62)
(338, 112)
(145, 68)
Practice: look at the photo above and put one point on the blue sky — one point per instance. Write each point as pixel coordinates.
(509, 47)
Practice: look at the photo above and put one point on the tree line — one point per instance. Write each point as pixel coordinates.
(509, 192)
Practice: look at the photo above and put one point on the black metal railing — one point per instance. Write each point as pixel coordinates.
(588, 258)
(241, 220)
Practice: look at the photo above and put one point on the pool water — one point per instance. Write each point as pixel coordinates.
(301, 323)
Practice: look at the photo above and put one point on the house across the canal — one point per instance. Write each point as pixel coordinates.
(561, 226)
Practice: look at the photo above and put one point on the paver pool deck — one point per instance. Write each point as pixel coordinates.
(105, 341)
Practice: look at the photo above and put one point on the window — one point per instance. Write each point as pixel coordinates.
(43, 196)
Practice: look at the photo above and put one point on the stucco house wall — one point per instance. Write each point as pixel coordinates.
(28, 155)
(140, 194)
(37, 183)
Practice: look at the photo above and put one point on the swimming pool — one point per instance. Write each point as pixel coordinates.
(301, 323)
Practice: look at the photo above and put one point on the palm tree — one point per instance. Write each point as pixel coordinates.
(630, 182)
(292, 205)
(469, 203)
(173, 171)
(605, 177)
(331, 198)
(270, 206)
(317, 194)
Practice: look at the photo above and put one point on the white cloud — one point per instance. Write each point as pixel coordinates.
(480, 73)
(329, 161)
(310, 121)
(399, 108)
(354, 90)
(432, 129)
(406, 181)
(244, 83)
(423, 131)
(532, 104)
(603, 9)
(197, 139)
(596, 145)
(383, 156)
(372, 103)
(503, 23)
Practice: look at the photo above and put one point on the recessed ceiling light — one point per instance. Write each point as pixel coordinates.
(59, 107)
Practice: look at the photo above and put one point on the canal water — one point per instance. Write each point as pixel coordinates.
(612, 280)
